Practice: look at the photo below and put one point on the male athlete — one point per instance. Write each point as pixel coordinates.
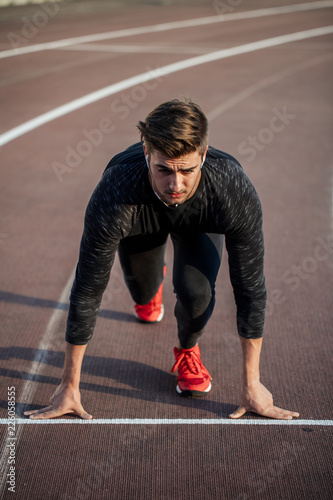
(172, 183)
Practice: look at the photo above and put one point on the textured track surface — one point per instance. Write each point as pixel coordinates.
(272, 110)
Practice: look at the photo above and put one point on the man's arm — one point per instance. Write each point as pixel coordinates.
(109, 217)
(66, 398)
(254, 396)
(97, 251)
(245, 245)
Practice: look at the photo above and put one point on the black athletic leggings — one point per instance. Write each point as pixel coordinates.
(197, 259)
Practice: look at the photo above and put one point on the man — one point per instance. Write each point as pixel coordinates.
(173, 184)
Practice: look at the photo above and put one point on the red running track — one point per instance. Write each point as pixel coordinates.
(126, 372)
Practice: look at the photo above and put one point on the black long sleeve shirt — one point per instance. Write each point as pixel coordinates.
(124, 204)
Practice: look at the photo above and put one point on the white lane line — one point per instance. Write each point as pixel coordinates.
(158, 73)
(169, 421)
(141, 49)
(29, 388)
(219, 17)
(46, 343)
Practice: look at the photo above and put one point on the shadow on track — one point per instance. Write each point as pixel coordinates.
(145, 383)
(25, 300)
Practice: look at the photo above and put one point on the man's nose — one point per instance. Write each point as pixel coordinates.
(175, 184)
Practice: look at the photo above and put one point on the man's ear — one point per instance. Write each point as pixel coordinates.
(144, 149)
(204, 157)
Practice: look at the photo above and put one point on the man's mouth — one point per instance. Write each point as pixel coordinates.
(175, 195)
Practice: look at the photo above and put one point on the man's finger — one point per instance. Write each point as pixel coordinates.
(238, 413)
(51, 413)
(286, 412)
(271, 413)
(280, 414)
(40, 410)
(85, 415)
(80, 412)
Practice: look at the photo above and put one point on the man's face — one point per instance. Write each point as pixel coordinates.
(174, 179)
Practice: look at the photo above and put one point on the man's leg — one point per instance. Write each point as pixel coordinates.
(197, 259)
(142, 261)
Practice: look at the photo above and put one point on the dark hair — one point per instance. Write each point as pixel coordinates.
(175, 128)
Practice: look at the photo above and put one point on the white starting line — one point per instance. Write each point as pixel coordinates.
(168, 421)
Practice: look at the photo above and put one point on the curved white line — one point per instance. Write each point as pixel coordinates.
(219, 17)
(150, 75)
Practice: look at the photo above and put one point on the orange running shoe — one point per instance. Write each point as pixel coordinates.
(152, 312)
(193, 378)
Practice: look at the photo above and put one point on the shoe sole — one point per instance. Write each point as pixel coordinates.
(192, 393)
(156, 320)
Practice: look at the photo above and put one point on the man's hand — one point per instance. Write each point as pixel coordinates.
(65, 400)
(258, 399)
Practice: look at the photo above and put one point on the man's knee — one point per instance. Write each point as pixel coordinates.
(194, 295)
